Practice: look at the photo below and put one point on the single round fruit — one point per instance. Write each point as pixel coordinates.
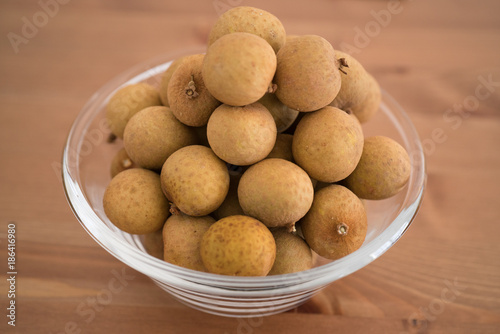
(120, 162)
(282, 148)
(195, 180)
(153, 243)
(384, 169)
(189, 99)
(365, 110)
(292, 253)
(238, 68)
(336, 225)
(355, 82)
(182, 238)
(241, 135)
(276, 192)
(165, 79)
(153, 134)
(128, 101)
(328, 144)
(283, 116)
(251, 20)
(307, 76)
(134, 201)
(238, 245)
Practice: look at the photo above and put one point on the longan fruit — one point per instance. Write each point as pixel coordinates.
(382, 172)
(190, 101)
(153, 134)
(293, 254)
(336, 224)
(182, 236)
(241, 135)
(195, 180)
(355, 82)
(238, 246)
(365, 110)
(328, 144)
(276, 192)
(238, 68)
(134, 201)
(251, 20)
(307, 76)
(128, 101)
(165, 79)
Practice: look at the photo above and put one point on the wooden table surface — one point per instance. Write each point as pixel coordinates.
(439, 59)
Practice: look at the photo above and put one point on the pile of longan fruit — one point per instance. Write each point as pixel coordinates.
(250, 158)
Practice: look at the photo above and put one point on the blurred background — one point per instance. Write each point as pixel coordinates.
(439, 59)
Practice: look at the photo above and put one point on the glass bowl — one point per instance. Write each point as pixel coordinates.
(85, 171)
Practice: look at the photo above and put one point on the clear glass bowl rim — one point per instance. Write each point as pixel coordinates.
(229, 286)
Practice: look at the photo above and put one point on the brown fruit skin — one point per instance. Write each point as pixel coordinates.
(355, 82)
(120, 162)
(195, 180)
(293, 254)
(165, 79)
(283, 116)
(365, 110)
(382, 172)
(307, 76)
(192, 110)
(282, 148)
(328, 144)
(276, 192)
(238, 68)
(241, 135)
(182, 236)
(251, 20)
(128, 101)
(231, 205)
(134, 201)
(335, 206)
(153, 134)
(239, 246)
(153, 243)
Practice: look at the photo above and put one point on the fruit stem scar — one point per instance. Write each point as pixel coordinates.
(291, 228)
(342, 64)
(342, 229)
(190, 89)
(174, 209)
(126, 163)
(272, 88)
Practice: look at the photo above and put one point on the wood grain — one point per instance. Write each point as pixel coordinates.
(441, 277)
